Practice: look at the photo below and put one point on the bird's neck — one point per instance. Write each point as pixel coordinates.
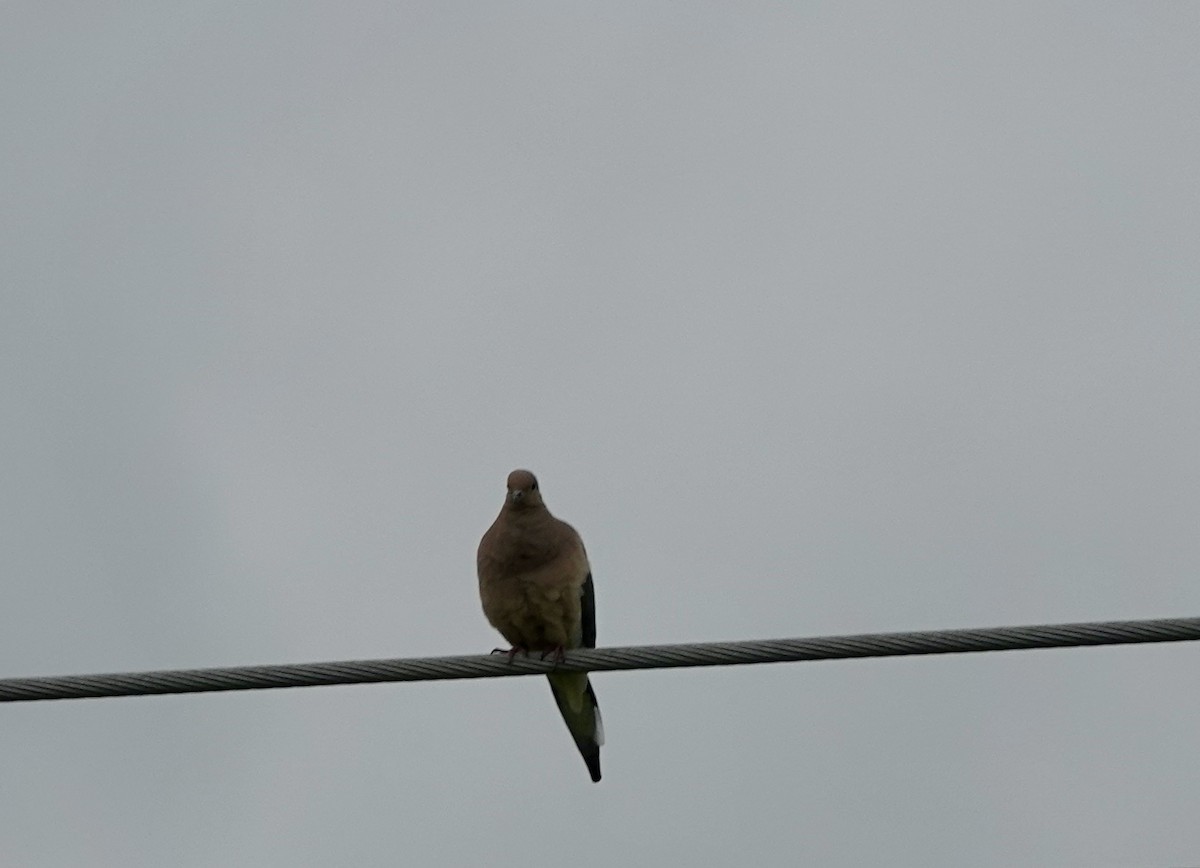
(528, 515)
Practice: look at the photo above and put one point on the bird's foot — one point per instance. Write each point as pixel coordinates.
(511, 652)
(558, 654)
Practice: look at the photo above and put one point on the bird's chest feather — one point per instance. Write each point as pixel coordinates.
(521, 553)
(534, 601)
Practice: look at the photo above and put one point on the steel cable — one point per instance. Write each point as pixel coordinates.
(601, 659)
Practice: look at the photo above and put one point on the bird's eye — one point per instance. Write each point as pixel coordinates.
(533, 487)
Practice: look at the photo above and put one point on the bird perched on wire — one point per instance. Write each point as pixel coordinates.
(536, 588)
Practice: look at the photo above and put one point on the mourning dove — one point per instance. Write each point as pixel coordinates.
(536, 588)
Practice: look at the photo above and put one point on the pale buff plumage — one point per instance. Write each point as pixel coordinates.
(536, 588)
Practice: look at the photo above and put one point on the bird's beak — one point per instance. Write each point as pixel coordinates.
(515, 496)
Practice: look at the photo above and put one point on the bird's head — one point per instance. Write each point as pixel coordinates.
(523, 490)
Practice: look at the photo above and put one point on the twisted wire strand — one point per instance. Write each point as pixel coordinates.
(602, 659)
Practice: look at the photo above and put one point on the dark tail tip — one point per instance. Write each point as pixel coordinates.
(593, 764)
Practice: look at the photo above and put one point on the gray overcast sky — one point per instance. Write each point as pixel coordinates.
(813, 318)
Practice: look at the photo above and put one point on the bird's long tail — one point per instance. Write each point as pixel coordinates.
(577, 703)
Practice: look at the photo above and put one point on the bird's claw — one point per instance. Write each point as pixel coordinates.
(511, 652)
